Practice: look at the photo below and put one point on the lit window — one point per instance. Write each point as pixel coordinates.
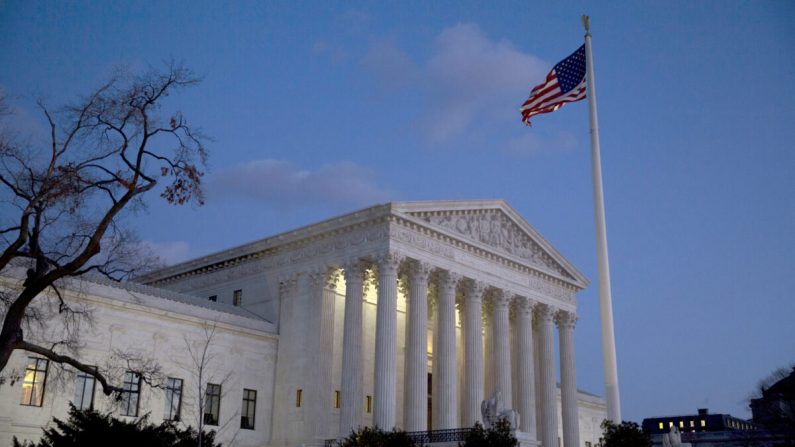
(670, 423)
(692, 424)
(237, 297)
(661, 426)
(249, 409)
(212, 404)
(368, 404)
(299, 397)
(84, 391)
(681, 424)
(703, 423)
(337, 399)
(33, 385)
(131, 390)
(173, 399)
(213, 298)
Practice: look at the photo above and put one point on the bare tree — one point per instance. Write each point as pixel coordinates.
(203, 365)
(63, 205)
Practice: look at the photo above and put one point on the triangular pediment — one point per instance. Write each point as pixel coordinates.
(493, 224)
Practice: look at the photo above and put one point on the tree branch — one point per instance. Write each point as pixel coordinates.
(107, 388)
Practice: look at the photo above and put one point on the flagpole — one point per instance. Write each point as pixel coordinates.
(605, 299)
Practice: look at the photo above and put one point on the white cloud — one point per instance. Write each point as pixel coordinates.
(468, 79)
(283, 183)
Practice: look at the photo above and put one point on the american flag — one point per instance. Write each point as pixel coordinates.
(565, 83)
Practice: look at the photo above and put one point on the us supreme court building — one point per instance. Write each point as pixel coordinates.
(406, 314)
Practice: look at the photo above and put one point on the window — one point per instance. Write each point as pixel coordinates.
(587, 443)
(703, 423)
(661, 426)
(33, 385)
(337, 399)
(213, 298)
(298, 397)
(212, 404)
(237, 297)
(84, 391)
(681, 424)
(173, 399)
(692, 424)
(249, 409)
(368, 404)
(131, 389)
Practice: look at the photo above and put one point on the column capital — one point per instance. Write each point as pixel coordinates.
(475, 291)
(419, 271)
(448, 281)
(332, 277)
(317, 275)
(500, 298)
(389, 262)
(544, 313)
(523, 306)
(353, 269)
(287, 283)
(565, 319)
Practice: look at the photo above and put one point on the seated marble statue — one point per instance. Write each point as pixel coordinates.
(493, 410)
(673, 438)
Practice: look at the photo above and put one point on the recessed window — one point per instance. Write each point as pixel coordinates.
(33, 384)
(173, 399)
(213, 298)
(237, 297)
(368, 404)
(299, 397)
(249, 409)
(131, 390)
(337, 399)
(212, 404)
(84, 391)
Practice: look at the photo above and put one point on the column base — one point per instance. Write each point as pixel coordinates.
(526, 439)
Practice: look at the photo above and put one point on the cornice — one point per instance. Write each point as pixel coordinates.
(367, 226)
(275, 251)
(257, 249)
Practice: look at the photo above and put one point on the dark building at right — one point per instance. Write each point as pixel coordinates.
(775, 410)
(772, 425)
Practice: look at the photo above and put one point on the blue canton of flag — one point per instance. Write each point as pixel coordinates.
(565, 83)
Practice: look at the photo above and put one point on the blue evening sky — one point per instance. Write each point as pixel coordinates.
(320, 108)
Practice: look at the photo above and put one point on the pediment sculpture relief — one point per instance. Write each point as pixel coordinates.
(495, 229)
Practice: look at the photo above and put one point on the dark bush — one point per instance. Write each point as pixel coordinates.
(88, 428)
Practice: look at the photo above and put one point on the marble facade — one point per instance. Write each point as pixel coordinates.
(406, 315)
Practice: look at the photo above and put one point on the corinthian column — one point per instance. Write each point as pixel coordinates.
(319, 285)
(546, 345)
(568, 379)
(445, 404)
(473, 354)
(386, 343)
(502, 347)
(352, 395)
(415, 417)
(526, 366)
